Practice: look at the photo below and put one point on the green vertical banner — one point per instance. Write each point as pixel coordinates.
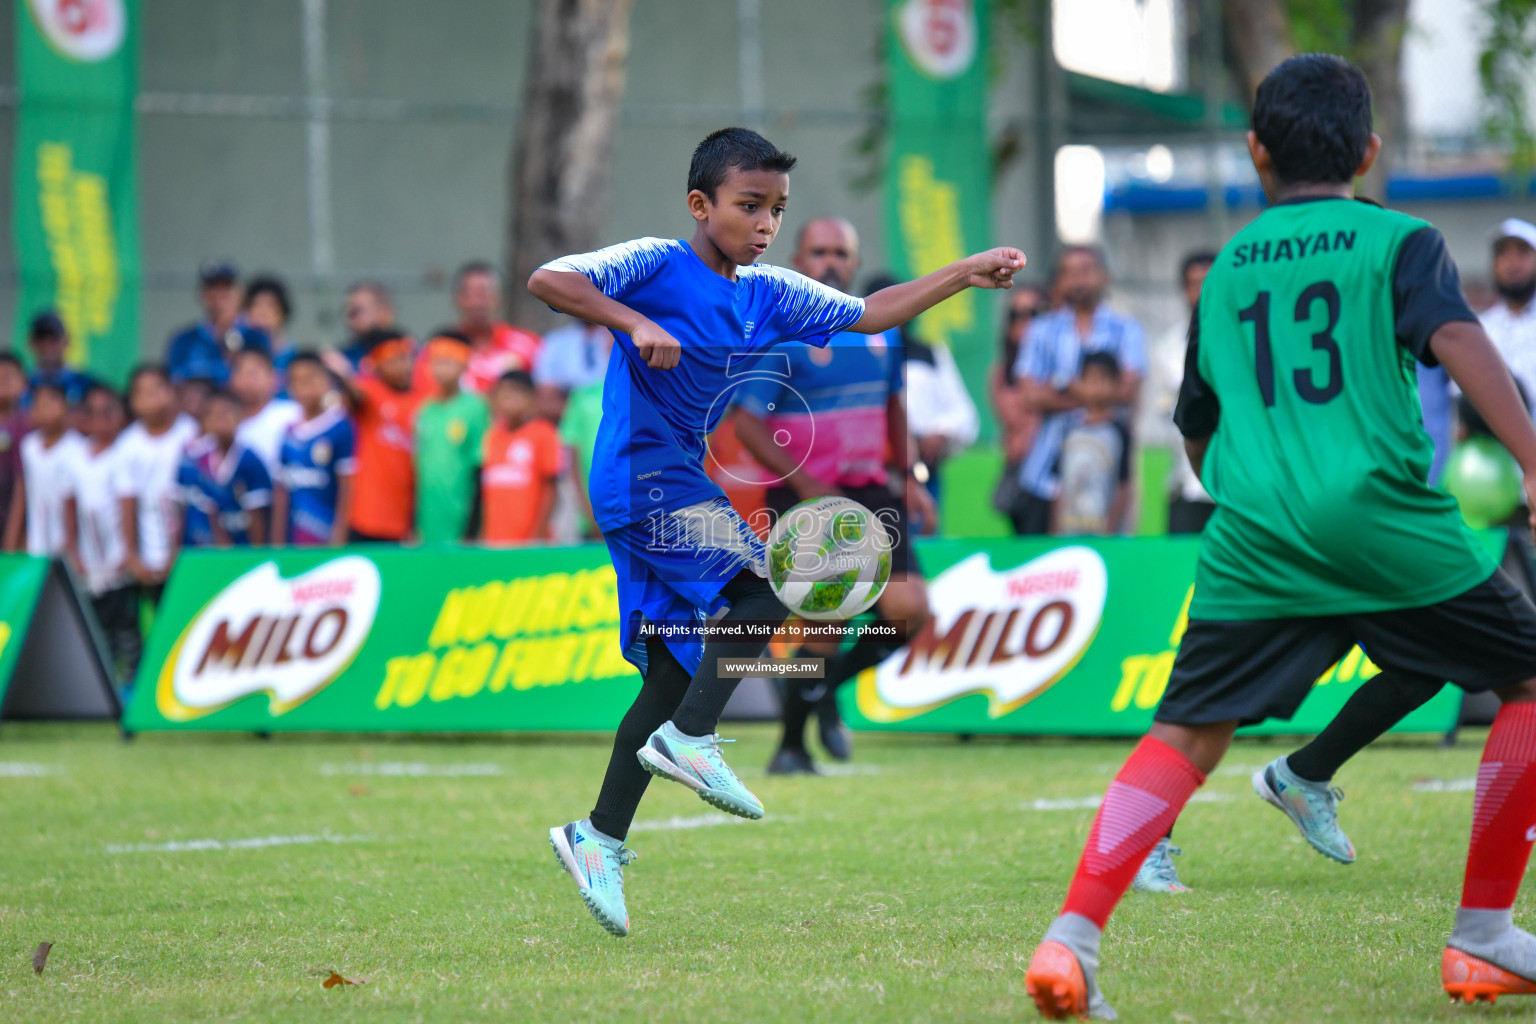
(74, 192)
(938, 168)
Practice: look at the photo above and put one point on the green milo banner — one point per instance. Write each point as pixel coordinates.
(73, 191)
(385, 639)
(938, 164)
(1067, 637)
(1028, 636)
(21, 587)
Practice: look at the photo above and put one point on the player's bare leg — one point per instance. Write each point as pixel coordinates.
(1487, 956)
(1152, 787)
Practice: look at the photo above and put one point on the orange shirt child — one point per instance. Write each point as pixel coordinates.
(384, 502)
(521, 466)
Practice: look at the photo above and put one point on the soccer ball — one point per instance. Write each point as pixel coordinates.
(828, 559)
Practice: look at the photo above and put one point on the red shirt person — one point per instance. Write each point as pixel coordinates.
(520, 470)
(495, 346)
(384, 403)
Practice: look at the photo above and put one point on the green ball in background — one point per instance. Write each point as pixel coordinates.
(1485, 481)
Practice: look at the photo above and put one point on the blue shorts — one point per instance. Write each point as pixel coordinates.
(671, 568)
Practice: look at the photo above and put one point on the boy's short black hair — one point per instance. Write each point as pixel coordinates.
(517, 378)
(306, 359)
(740, 148)
(1198, 258)
(267, 284)
(222, 395)
(1105, 361)
(150, 370)
(9, 358)
(1313, 114)
(472, 267)
(97, 387)
(252, 352)
(50, 388)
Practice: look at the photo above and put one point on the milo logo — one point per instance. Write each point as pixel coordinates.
(938, 35)
(1010, 635)
(264, 634)
(84, 30)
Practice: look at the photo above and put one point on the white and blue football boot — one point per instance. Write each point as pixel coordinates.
(695, 761)
(1312, 806)
(597, 864)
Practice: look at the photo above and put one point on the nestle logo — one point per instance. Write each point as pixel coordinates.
(322, 590)
(1044, 583)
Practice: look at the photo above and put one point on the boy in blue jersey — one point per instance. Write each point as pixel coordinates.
(225, 488)
(687, 316)
(313, 498)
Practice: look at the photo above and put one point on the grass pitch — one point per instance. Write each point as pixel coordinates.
(203, 878)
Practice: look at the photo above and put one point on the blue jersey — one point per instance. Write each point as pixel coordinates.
(198, 353)
(224, 487)
(828, 410)
(74, 383)
(649, 456)
(315, 455)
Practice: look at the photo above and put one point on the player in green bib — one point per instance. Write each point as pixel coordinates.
(1300, 412)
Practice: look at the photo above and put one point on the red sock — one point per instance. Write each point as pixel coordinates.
(1140, 807)
(1504, 812)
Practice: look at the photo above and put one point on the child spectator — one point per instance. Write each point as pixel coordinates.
(225, 487)
(1095, 461)
(94, 532)
(13, 427)
(385, 405)
(253, 379)
(313, 498)
(450, 432)
(521, 468)
(48, 457)
(269, 309)
(148, 454)
(49, 340)
(578, 434)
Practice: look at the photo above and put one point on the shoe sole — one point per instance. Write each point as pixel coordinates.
(663, 768)
(1055, 982)
(1471, 979)
(566, 858)
(1262, 788)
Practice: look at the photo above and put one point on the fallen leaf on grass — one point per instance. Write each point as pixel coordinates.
(358, 790)
(40, 956)
(337, 979)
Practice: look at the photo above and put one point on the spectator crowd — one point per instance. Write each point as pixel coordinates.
(482, 431)
(242, 439)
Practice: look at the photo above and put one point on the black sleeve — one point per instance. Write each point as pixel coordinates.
(1426, 293)
(1125, 451)
(1199, 410)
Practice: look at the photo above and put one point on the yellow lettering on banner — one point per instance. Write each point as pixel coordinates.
(549, 612)
(445, 681)
(446, 629)
(516, 602)
(506, 668)
(1181, 623)
(477, 665)
(5, 636)
(394, 668)
(1131, 671)
(1155, 681)
(76, 214)
(929, 211)
(478, 613)
(414, 679)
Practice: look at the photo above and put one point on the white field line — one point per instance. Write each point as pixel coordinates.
(1089, 803)
(23, 770)
(252, 843)
(839, 770)
(679, 823)
(409, 769)
(1444, 785)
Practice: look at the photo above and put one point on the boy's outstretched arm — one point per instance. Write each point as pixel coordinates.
(1475, 365)
(893, 306)
(575, 295)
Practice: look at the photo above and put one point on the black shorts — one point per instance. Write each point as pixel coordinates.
(879, 500)
(1483, 639)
